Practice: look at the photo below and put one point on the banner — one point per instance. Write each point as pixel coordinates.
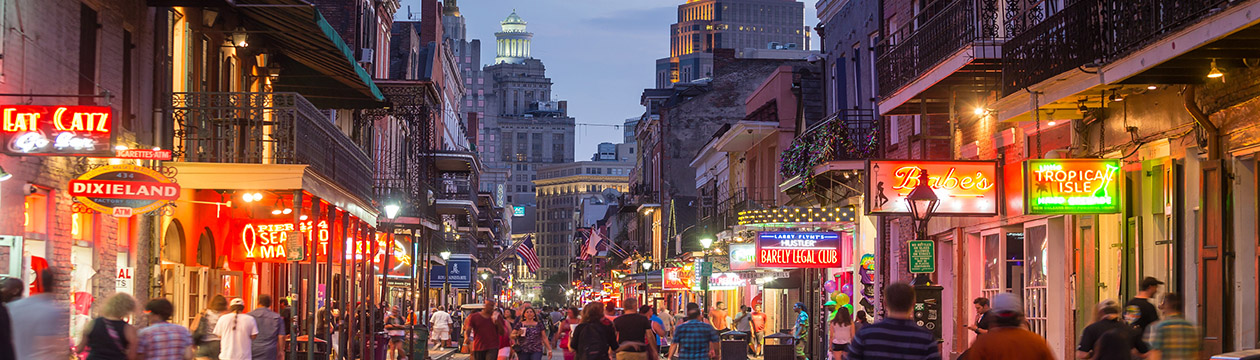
(965, 188)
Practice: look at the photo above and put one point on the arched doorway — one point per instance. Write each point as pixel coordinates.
(173, 243)
(205, 249)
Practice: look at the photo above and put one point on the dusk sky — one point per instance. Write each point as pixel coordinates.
(599, 53)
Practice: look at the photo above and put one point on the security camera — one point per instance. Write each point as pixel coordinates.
(30, 188)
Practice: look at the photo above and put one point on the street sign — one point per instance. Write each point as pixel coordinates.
(295, 246)
(922, 256)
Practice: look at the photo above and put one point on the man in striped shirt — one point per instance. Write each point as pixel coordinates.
(896, 336)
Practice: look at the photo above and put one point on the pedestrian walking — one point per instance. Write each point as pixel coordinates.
(7, 293)
(743, 323)
(110, 337)
(396, 328)
(800, 330)
(695, 339)
(484, 332)
(1107, 327)
(1007, 338)
(860, 321)
(440, 322)
(11, 289)
(44, 323)
(1174, 338)
(759, 320)
(506, 341)
(531, 336)
(657, 339)
(564, 332)
(983, 319)
(896, 336)
(203, 332)
(633, 332)
(840, 329)
(719, 318)
(162, 340)
(270, 340)
(594, 338)
(236, 332)
(1139, 311)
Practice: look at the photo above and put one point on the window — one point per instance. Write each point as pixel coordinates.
(88, 38)
(81, 226)
(36, 218)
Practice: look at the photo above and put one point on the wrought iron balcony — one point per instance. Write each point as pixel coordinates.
(1062, 42)
(456, 187)
(848, 135)
(722, 213)
(267, 128)
(1129, 25)
(937, 32)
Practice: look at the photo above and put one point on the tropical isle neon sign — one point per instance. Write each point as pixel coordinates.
(1072, 186)
(964, 187)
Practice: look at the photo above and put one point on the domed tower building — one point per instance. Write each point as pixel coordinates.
(513, 41)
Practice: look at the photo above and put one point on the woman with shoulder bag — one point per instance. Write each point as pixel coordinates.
(594, 338)
(207, 342)
(110, 337)
(532, 333)
(565, 331)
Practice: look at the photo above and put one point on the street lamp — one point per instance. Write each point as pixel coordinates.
(446, 281)
(706, 243)
(647, 265)
(923, 202)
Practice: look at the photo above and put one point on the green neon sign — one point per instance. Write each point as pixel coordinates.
(1072, 186)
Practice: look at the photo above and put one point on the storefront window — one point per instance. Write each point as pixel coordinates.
(992, 263)
(81, 226)
(1036, 238)
(35, 220)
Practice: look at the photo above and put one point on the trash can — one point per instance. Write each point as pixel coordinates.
(420, 345)
(320, 351)
(734, 345)
(779, 346)
(1239, 355)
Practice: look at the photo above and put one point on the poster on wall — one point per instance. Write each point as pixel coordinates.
(124, 190)
(1072, 186)
(798, 249)
(965, 188)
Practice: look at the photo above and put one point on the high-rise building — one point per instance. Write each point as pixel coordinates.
(704, 25)
(468, 59)
(566, 191)
(523, 128)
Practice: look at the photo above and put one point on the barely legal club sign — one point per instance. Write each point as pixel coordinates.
(963, 187)
(1072, 186)
(790, 249)
(56, 130)
(124, 190)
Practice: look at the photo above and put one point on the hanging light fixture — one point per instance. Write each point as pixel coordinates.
(1115, 97)
(5, 175)
(240, 37)
(922, 201)
(1215, 72)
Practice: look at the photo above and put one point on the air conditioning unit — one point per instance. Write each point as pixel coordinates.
(773, 45)
(790, 46)
(367, 54)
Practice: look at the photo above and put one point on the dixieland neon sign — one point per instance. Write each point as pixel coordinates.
(124, 190)
(56, 130)
(264, 241)
(1072, 186)
(789, 249)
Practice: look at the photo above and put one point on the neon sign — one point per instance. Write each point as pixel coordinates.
(965, 188)
(264, 241)
(1072, 186)
(56, 130)
(743, 256)
(678, 278)
(789, 249)
(124, 190)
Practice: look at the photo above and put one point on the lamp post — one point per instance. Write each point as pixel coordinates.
(647, 289)
(446, 281)
(704, 276)
(922, 202)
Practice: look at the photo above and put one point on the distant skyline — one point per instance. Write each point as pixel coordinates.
(600, 54)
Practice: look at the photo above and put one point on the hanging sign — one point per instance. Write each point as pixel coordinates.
(268, 241)
(678, 278)
(56, 130)
(294, 246)
(791, 249)
(143, 154)
(1072, 186)
(124, 190)
(965, 188)
(460, 274)
(743, 256)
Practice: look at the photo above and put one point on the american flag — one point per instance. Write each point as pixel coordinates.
(526, 250)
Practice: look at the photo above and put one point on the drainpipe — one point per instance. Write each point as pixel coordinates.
(1211, 131)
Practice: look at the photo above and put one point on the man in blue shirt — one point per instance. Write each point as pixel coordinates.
(270, 331)
(694, 339)
(801, 330)
(896, 336)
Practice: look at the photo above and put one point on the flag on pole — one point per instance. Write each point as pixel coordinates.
(592, 243)
(526, 250)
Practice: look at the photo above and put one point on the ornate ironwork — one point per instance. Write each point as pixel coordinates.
(266, 128)
(1062, 42)
(930, 38)
(849, 135)
(1131, 24)
(401, 139)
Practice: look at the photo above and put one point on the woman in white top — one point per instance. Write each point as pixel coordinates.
(841, 330)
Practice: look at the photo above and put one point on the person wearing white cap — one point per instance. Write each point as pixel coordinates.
(236, 332)
(1007, 338)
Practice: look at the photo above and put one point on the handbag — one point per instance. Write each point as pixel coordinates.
(199, 335)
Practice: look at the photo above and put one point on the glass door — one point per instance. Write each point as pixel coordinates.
(1035, 252)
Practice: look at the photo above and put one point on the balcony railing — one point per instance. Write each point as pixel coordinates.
(267, 128)
(722, 213)
(1060, 43)
(1131, 24)
(456, 188)
(849, 135)
(939, 31)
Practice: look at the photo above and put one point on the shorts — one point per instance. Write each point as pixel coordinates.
(630, 355)
(443, 334)
(839, 347)
(396, 338)
(484, 355)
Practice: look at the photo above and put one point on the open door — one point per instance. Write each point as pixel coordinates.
(11, 256)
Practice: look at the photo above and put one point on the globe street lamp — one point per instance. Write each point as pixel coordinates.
(706, 243)
(647, 290)
(446, 281)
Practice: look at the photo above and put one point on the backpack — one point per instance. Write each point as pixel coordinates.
(593, 344)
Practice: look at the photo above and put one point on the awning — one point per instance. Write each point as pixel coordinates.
(195, 175)
(322, 67)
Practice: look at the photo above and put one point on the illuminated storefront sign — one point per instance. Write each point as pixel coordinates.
(726, 281)
(787, 249)
(265, 240)
(56, 130)
(143, 154)
(1072, 186)
(518, 211)
(964, 187)
(743, 256)
(124, 190)
(678, 278)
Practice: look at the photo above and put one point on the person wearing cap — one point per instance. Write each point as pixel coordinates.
(1107, 319)
(1007, 338)
(236, 332)
(801, 330)
(896, 336)
(1139, 311)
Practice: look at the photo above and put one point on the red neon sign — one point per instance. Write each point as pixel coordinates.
(794, 249)
(264, 241)
(143, 154)
(964, 187)
(677, 278)
(56, 130)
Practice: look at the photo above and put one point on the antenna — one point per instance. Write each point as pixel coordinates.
(409, 13)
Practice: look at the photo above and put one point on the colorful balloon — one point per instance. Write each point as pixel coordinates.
(830, 286)
(847, 289)
(842, 299)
